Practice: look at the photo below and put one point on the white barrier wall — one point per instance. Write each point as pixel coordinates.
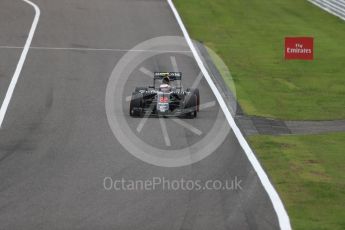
(335, 7)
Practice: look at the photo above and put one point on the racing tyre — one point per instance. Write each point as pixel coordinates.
(196, 92)
(191, 102)
(138, 89)
(135, 106)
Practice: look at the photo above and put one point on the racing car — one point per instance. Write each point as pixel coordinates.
(166, 99)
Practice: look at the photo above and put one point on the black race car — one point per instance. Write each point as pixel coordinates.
(167, 99)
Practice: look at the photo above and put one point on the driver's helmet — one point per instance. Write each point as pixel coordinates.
(165, 86)
(166, 80)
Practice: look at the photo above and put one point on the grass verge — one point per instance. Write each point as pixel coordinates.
(308, 172)
(249, 36)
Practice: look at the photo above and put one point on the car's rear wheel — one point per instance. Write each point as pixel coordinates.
(196, 92)
(191, 103)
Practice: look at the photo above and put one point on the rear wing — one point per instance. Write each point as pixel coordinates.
(173, 76)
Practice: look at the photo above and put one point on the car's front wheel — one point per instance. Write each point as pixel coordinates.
(135, 106)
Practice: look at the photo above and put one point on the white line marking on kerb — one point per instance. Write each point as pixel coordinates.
(283, 218)
(20, 64)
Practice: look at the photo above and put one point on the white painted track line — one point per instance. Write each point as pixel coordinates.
(283, 218)
(94, 49)
(20, 64)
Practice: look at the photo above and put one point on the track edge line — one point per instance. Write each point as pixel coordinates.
(283, 218)
(20, 63)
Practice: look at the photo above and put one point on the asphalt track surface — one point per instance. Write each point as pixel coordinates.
(56, 145)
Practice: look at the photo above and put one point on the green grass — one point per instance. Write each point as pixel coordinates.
(249, 36)
(308, 172)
